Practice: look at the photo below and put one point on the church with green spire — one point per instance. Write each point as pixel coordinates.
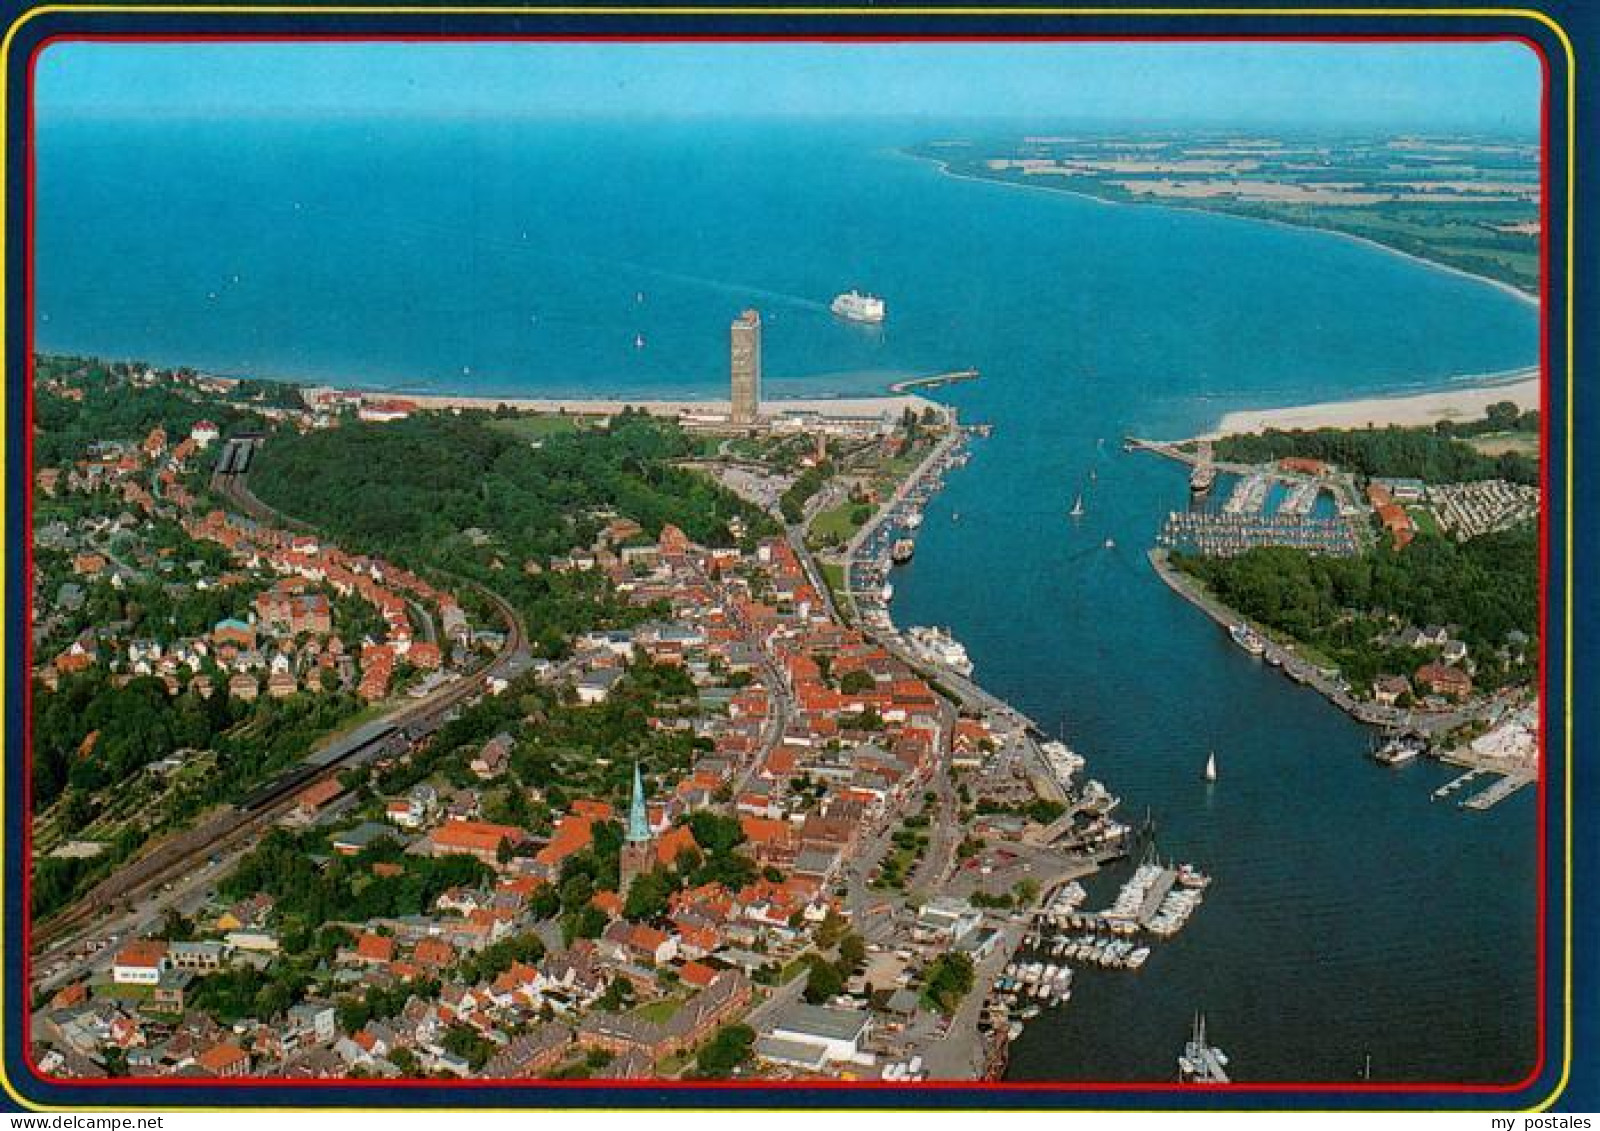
(638, 845)
(638, 815)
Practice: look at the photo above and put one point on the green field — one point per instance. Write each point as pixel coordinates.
(1425, 520)
(836, 526)
(532, 427)
(1499, 443)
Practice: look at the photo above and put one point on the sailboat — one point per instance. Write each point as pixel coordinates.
(1077, 506)
(638, 341)
(1202, 1062)
(1211, 766)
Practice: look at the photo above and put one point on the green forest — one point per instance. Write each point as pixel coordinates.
(421, 481)
(412, 491)
(1434, 455)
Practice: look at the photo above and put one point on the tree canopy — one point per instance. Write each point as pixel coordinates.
(1433, 455)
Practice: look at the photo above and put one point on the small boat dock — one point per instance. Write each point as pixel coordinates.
(1159, 886)
(1489, 797)
(1497, 792)
(1457, 783)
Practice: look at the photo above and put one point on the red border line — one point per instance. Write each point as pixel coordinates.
(1054, 1087)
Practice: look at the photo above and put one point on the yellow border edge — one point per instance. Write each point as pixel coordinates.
(701, 10)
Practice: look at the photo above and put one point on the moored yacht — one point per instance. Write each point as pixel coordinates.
(1248, 639)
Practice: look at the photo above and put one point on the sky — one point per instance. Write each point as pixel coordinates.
(1486, 87)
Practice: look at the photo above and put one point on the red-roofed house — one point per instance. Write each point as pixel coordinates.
(1445, 680)
(572, 835)
(140, 963)
(434, 954)
(226, 1059)
(375, 949)
(473, 838)
(696, 974)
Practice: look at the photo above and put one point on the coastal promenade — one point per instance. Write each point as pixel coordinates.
(1299, 669)
(958, 687)
(1295, 666)
(941, 451)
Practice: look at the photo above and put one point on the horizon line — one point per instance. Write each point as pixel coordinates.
(1019, 120)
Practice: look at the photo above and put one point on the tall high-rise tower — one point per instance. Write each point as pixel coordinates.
(744, 359)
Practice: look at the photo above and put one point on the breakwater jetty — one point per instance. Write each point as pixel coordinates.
(935, 381)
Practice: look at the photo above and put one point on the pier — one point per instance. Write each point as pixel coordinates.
(1176, 451)
(1498, 792)
(1488, 797)
(1302, 499)
(936, 381)
(1249, 495)
(1154, 897)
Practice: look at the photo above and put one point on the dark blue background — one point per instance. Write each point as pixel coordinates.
(1582, 1091)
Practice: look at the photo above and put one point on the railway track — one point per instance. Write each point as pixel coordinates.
(181, 855)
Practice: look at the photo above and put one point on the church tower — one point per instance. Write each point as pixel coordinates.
(638, 847)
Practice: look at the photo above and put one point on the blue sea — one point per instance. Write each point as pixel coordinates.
(1351, 916)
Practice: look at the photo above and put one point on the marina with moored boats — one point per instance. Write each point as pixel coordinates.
(1152, 905)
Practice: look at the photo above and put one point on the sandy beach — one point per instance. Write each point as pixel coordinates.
(858, 408)
(1415, 410)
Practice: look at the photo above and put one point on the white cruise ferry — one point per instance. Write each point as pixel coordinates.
(858, 307)
(938, 646)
